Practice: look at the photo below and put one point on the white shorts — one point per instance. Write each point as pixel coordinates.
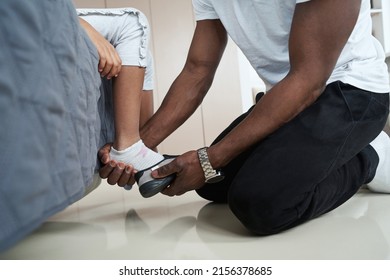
(127, 29)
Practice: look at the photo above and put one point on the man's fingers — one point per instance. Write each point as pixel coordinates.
(125, 177)
(104, 153)
(115, 175)
(114, 172)
(106, 170)
(166, 170)
(169, 191)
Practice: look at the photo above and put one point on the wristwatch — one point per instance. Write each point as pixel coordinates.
(210, 174)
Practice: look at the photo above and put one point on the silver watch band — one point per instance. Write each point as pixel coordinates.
(208, 170)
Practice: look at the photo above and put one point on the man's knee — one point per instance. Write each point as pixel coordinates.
(213, 193)
(261, 214)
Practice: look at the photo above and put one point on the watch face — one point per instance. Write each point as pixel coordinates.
(215, 179)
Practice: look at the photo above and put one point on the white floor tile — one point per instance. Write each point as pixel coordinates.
(111, 223)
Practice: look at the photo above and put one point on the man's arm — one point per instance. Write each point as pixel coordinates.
(190, 87)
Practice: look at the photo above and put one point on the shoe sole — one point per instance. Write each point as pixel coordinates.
(154, 186)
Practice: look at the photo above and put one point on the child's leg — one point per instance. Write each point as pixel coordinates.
(147, 107)
(127, 30)
(127, 95)
(128, 147)
(127, 90)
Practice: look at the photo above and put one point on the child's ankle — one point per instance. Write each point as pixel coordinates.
(123, 144)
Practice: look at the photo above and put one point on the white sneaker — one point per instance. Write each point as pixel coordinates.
(381, 181)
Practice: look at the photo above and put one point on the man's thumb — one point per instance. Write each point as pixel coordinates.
(162, 171)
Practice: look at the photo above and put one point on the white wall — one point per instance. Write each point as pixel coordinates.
(251, 84)
(380, 14)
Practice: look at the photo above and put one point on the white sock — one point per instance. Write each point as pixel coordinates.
(138, 155)
(381, 181)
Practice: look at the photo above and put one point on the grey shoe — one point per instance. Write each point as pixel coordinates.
(149, 186)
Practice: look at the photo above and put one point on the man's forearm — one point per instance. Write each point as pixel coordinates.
(181, 101)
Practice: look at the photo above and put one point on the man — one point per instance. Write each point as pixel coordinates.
(304, 148)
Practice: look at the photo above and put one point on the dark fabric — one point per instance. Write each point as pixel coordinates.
(308, 167)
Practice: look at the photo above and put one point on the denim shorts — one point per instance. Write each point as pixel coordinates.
(127, 29)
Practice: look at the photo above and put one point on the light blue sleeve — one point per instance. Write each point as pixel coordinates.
(203, 10)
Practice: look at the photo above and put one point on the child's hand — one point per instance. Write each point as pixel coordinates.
(109, 61)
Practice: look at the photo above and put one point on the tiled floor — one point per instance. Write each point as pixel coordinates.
(114, 224)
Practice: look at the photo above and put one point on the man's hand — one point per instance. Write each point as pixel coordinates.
(109, 61)
(114, 172)
(189, 174)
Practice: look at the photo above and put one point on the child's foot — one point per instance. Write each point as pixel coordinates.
(381, 181)
(138, 155)
(142, 159)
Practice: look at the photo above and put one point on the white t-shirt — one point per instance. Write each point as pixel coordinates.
(261, 29)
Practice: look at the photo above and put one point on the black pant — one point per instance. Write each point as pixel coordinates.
(309, 166)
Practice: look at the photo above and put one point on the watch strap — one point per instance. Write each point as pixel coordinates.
(208, 170)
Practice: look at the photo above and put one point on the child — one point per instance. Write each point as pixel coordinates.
(121, 38)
